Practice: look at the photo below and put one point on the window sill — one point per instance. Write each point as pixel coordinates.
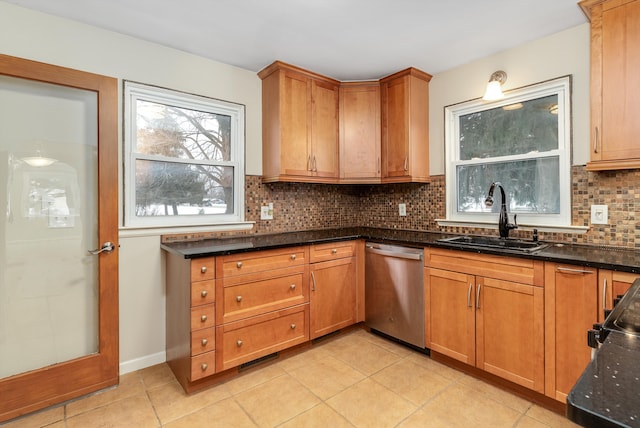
(126, 232)
(492, 225)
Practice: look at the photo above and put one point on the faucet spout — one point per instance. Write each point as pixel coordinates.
(503, 222)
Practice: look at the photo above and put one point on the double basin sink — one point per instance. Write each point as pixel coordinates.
(494, 242)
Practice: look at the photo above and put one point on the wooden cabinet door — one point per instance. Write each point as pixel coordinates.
(295, 125)
(405, 126)
(395, 127)
(510, 331)
(324, 129)
(360, 132)
(615, 83)
(333, 296)
(450, 297)
(571, 308)
(610, 285)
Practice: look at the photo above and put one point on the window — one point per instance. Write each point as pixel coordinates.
(523, 142)
(184, 159)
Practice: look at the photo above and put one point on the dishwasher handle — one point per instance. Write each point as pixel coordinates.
(399, 254)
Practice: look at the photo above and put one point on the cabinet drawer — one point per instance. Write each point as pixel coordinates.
(203, 365)
(331, 251)
(247, 340)
(203, 292)
(286, 288)
(259, 261)
(203, 340)
(203, 269)
(203, 317)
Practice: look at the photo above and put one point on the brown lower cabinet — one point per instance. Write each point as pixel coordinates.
(487, 311)
(571, 308)
(574, 300)
(333, 272)
(225, 311)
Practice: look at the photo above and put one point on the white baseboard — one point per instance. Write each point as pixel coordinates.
(142, 362)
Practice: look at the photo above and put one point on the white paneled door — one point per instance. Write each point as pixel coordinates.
(58, 235)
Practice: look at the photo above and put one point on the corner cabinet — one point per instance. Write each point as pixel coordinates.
(615, 83)
(487, 311)
(299, 125)
(405, 126)
(360, 160)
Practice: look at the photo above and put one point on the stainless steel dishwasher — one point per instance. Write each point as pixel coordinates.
(394, 292)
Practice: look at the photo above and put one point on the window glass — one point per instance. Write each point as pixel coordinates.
(185, 158)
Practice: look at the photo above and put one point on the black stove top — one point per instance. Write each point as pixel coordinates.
(625, 316)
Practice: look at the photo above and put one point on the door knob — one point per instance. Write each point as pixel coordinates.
(107, 247)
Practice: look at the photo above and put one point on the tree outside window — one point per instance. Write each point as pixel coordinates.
(187, 154)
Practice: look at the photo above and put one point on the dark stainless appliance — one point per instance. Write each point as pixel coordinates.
(608, 392)
(394, 292)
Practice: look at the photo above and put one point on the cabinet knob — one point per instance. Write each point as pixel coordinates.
(203, 269)
(204, 293)
(204, 342)
(292, 286)
(293, 326)
(334, 251)
(203, 318)
(204, 367)
(239, 343)
(239, 265)
(293, 256)
(238, 299)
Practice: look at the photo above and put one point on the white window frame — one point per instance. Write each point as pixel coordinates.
(560, 86)
(137, 91)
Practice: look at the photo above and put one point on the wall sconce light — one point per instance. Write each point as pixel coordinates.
(38, 160)
(494, 92)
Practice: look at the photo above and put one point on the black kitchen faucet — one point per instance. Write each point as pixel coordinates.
(503, 223)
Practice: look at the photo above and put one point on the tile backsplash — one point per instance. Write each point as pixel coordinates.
(302, 206)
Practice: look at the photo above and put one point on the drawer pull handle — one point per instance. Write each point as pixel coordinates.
(204, 293)
(238, 299)
(203, 269)
(204, 342)
(239, 265)
(204, 367)
(293, 326)
(292, 286)
(203, 318)
(574, 271)
(293, 256)
(334, 251)
(239, 343)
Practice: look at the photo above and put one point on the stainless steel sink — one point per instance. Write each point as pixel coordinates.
(495, 243)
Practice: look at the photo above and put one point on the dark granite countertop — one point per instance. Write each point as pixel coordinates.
(585, 255)
(608, 392)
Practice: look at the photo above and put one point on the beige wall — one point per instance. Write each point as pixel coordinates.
(564, 53)
(45, 38)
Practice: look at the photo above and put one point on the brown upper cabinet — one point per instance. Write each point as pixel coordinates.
(360, 132)
(316, 129)
(615, 83)
(405, 126)
(299, 125)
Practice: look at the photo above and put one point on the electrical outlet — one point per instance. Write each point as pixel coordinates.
(599, 214)
(266, 212)
(402, 210)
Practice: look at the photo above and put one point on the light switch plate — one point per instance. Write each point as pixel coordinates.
(599, 214)
(402, 210)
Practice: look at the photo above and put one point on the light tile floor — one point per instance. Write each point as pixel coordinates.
(353, 380)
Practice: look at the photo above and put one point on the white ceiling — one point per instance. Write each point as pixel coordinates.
(344, 39)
